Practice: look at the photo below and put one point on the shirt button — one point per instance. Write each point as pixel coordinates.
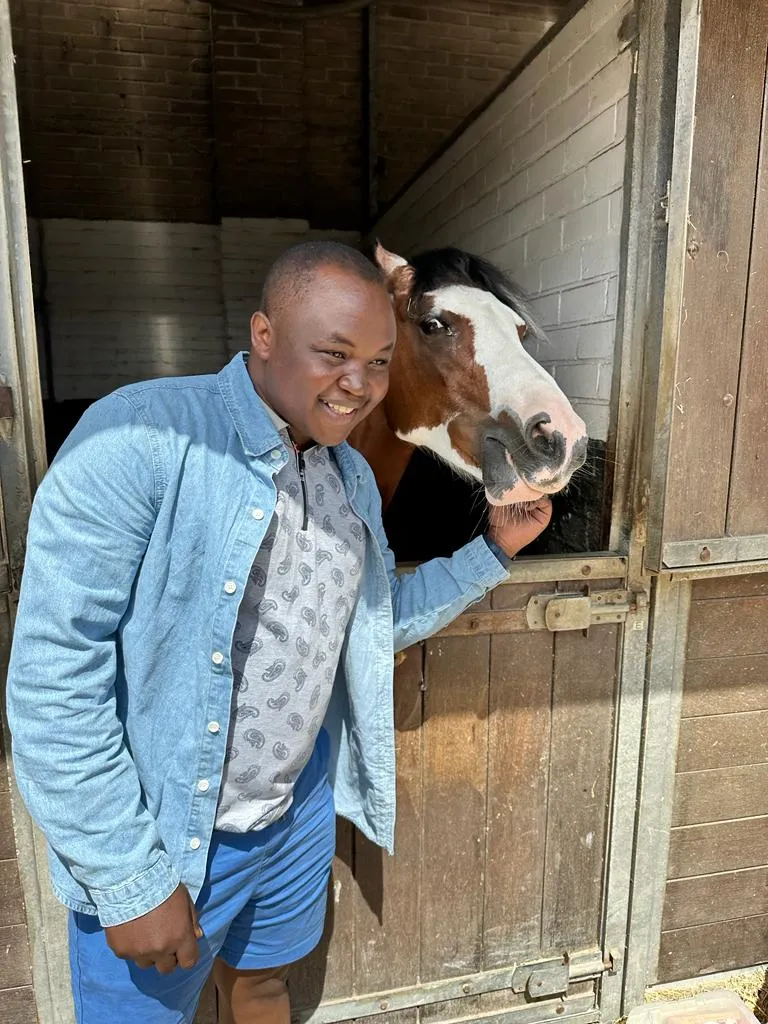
(257, 513)
(275, 454)
(230, 587)
(203, 785)
(194, 844)
(213, 727)
(217, 658)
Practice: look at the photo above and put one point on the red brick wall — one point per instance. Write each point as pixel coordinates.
(115, 107)
(287, 115)
(165, 110)
(436, 62)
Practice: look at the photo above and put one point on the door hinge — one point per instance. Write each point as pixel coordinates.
(547, 978)
(559, 612)
(7, 411)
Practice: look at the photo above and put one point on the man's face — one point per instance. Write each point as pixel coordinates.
(322, 361)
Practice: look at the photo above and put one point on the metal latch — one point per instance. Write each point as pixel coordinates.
(546, 978)
(559, 612)
(542, 980)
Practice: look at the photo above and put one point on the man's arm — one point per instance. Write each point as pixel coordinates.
(89, 529)
(427, 600)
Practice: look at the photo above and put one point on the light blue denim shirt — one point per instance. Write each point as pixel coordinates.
(140, 542)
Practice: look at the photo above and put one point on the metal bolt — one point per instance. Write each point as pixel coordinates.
(474, 624)
(693, 249)
(560, 1009)
(728, 400)
(705, 554)
(384, 1005)
(586, 570)
(466, 988)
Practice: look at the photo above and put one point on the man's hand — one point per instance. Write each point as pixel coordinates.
(166, 937)
(513, 530)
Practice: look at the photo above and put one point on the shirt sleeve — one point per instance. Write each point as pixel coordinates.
(428, 599)
(89, 529)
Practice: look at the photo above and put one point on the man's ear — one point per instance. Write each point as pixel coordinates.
(262, 335)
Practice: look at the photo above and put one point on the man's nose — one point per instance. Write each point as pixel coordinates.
(353, 381)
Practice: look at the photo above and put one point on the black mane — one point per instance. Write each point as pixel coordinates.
(439, 268)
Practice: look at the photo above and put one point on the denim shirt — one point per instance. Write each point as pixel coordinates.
(140, 542)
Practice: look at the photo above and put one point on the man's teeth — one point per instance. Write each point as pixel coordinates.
(342, 410)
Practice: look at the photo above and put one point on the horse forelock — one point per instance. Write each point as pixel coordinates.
(441, 268)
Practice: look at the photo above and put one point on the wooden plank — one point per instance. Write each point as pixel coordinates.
(728, 896)
(328, 972)
(207, 1012)
(728, 110)
(7, 839)
(480, 623)
(733, 627)
(387, 898)
(721, 794)
(718, 846)
(518, 773)
(580, 773)
(749, 585)
(725, 685)
(17, 1006)
(455, 766)
(748, 496)
(15, 970)
(722, 741)
(708, 948)
(11, 901)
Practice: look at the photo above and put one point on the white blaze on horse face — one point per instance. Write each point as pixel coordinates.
(436, 439)
(517, 384)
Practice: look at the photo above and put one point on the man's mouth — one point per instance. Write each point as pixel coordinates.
(340, 409)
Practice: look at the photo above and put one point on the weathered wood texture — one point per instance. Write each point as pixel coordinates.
(716, 908)
(504, 766)
(17, 1005)
(714, 484)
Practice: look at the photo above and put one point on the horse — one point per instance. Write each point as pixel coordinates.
(463, 387)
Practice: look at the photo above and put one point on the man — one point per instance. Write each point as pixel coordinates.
(205, 636)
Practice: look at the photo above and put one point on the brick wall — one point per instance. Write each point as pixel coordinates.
(287, 113)
(114, 97)
(126, 301)
(167, 110)
(437, 61)
(535, 184)
(248, 249)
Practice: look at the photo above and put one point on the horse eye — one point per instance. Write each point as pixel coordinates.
(431, 325)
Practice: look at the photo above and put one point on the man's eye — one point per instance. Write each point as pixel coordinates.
(380, 362)
(336, 355)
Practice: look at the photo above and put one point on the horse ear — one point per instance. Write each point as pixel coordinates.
(388, 261)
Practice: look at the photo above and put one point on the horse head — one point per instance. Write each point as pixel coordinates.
(463, 386)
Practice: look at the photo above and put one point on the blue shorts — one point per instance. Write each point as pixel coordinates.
(263, 905)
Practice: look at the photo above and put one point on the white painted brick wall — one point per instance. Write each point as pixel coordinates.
(248, 249)
(536, 185)
(129, 300)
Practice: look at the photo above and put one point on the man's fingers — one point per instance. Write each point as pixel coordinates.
(195, 920)
(166, 964)
(186, 952)
(144, 962)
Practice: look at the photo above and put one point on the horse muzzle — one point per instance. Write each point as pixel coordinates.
(521, 462)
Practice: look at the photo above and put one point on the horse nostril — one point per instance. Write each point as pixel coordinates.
(542, 440)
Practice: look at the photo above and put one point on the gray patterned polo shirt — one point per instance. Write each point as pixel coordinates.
(288, 637)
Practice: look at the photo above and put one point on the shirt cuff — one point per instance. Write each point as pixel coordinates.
(505, 559)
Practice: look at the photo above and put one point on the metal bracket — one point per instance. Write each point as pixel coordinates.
(560, 612)
(543, 980)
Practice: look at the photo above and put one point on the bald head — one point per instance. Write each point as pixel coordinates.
(292, 273)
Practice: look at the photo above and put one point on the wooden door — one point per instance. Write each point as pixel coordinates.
(505, 740)
(712, 432)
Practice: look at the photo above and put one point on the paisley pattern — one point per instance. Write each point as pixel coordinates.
(285, 650)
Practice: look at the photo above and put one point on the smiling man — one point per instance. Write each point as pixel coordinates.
(201, 674)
